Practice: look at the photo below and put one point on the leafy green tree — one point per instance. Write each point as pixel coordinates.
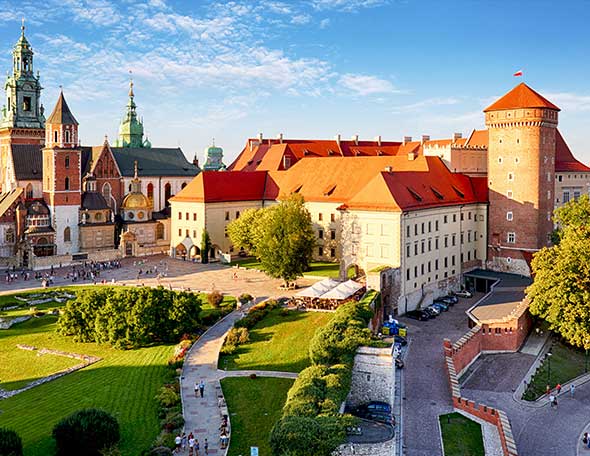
(243, 232)
(10, 443)
(287, 239)
(87, 432)
(205, 247)
(560, 293)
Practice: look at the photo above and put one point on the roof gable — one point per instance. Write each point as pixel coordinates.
(521, 96)
(564, 159)
(61, 114)
(153, 162)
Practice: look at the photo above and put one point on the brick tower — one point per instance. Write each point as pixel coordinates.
(21, 119)
(521, 177)
(61, 176)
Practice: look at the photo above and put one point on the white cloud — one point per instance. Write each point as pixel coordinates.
(346, 5)
(96, 12)
(426, 104)
(324, 23)
(568, 101)
(366, 85)
(301, 19)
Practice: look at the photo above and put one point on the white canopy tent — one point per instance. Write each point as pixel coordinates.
(343, 291)
(318, 289)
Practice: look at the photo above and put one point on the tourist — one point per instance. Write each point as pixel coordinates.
(178, 441)
(196, 389)
(184, 441)
(223, 440)
(551, 400)
(202, 387)
(547, 390)
(197, 447)
(191, 444)
(206, 446)
(558, 388)
(585, 438)
(572, 389)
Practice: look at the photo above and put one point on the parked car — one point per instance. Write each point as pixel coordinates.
(375, 411)
(441, 306)
(432, 310)
(452, 298)
(400, 340)
(464, 294)
(447, 300)
(421, 315)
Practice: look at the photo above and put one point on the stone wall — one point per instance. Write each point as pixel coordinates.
(40, 263)
(373, 376)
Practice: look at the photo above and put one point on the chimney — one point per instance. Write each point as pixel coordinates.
(388, 169)
(407, 139)
(411, 156)
(355, 138)
(196, 161)
(457, 136)
(378, 140)
(425, 138)
(280, 138)
(337, 138)
(260, 137)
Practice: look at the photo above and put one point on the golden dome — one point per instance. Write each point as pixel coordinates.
(135, 201)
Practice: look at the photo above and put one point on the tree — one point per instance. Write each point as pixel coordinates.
(88, 432)
(560, 293)
(205, 247)
(286, 239)
(243, 232)
(10, 443)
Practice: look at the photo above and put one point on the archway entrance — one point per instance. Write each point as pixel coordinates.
(181, 251)
(194, 252)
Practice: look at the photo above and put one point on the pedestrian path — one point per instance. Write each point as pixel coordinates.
(203, 415)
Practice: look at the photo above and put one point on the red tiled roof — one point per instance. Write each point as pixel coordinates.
(219, 186)
(564, 159)
(522, 96)
(478, 138)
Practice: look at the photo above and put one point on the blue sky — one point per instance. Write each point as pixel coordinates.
(310, 68)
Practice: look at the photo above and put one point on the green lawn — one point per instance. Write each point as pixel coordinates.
(255, 406)
(228, 304)
(123, 383)
(566, 364)
(461, 436)
(317, 268)
(278, 342)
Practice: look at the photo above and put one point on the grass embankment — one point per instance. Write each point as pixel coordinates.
(566, 364)
(255, 405)
(317, 268)
(279, 342)
(124, 383)
(461, 436)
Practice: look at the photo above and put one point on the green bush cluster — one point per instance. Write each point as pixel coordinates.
(235, 337)
(129, 318)
(88, 432)
(257, 313)
(245, 298)
(215, 298)
(10, 443)
(311, 423)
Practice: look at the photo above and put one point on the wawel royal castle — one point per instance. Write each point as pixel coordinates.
(64, 202)
(412, 216)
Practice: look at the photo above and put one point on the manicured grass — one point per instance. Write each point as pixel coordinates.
(461, 436)
(255, 406)
(278, 342)
(228, 304)
(566, 363)
(317, 268)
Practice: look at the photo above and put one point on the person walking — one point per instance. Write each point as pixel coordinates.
(202, 387)
(177, 443)
(547, 390)
(206, 446)
(572, 390)
(558, 388)
(197, 447)
(191, 444)
(551, 400)
(555, 401)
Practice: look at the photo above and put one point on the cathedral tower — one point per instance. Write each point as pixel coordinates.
(61, 176)
(521, 176)
(131, 128)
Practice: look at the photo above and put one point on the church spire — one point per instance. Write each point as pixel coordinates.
(131, 127)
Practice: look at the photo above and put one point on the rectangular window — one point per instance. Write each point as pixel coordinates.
(422, 246)
(321, 234)
(194, 217)
(560, 178)
(510, 177)
(408, 274)
(454, 240)
(436, 225)
(454, 218)
(436, 243)
(415, 271)
(26, 103)
(187, 233)
(237, 214)
(566, 196)
(422, 269)
(509, 216)
(461, 258)
(408, 231)
(179, 232)
(453, 260)
(415, 248)
(194, 234)
(576, 194)
(446, 262)
(511, 238)
(332, 217)
(332, 253)
(408, 250)
(187, 216)
(429, 245)
(429, 268)
(469, 236)
(445, 219)
(548, 177)
(509, 194)
(226, 215)
(474, 254)
(415, 229)
(462, 215)
(320, 216)
(446, 241)
(333, 234)
(180, 216)
(429, 227)
(422, 227)
(320, 251)
(462, 237)
(469, 215)
(436, 265)
(468, 255)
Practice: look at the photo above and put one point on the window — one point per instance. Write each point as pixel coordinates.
(462, 238)
(321, 234)
(509, 216)
(332, 253)
(429, 227)
(67, 183)
(560, 178)
(150, 191)
(468, 255)
(446, 241)
(167, 193)
(576, 194)
(333, 234)
(510, 177)
(320, 216)
(408, 250)
(237, 214)
(509, 193)
(29, 191)
(415, 248)
(453, 260)
(429, 245)
(436, 243)
(179, 232)
(511, 238)
(408, 231)
(500, 160)
(332, 217)
(55, 138)
(454, 218)
(469, 215)
(445, 219)
(436, 265)
(226, 215)
(415, 271)
(548, 194)
(408, 274)
(159, 231)
(67, 159)
(422, 269)
(187, 233)
(469, 236)
(186, 216)
(194, 216)
(436, 225)
(446, 262)
(9, 236)
(98, 216)
(183, 185)
(26, 103)
(415, 229)
(566, 196)
(516, 159)
(422, 227)
(422, 247)
(429, 267)
(67, 234)
(67, 140)
(320, 251)
(454, 240)
(180, 216)
(548, 177)
(462, 216)
(106, 192)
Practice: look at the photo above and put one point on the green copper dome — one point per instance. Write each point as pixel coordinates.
(131, 128)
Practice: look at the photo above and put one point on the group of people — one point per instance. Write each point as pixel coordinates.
(553, 393)
(223, 432)
(184, 441)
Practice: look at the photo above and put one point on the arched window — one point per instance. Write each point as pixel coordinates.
(106, 193)
(29, 191)
(150, 193)
(67, 135)
(67, 234)
(55, 136)
(160, 231)
(183, 185)
(67, 160)
(167, 193)
(67, 183)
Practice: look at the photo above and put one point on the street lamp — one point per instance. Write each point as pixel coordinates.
(549, 354)
(586, 344)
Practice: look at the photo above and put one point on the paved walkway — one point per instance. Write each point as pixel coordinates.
(203, 415)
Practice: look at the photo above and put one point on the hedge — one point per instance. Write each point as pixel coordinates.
(10, 443)
(87, 432)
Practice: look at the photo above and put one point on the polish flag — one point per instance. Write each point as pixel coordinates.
(518, 73)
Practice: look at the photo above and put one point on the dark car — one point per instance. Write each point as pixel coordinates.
(430, 312)
(400, 340)
(446, 300)
(375, 411)
(453, 299)
(440, 305)
(418, 315)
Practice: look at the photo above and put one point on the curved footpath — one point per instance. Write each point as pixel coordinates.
(203, 415)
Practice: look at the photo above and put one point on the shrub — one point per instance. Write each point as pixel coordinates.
(237, 336)
(215, 298)
(167, 397)
(253, 376)
(160, 451)
(245, 298)
(87, 432)
(285, 312)
(173, 421)
(165, 439)
(10, 443)
(212, 317)
(228, 349)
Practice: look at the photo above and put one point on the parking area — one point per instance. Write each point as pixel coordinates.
(426, 391)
